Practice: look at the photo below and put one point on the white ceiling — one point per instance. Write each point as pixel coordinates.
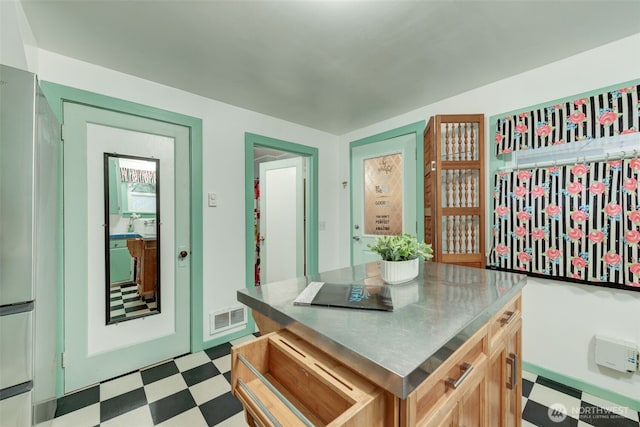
(331, 65)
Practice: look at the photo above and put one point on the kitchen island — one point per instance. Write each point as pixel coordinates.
(449, 353)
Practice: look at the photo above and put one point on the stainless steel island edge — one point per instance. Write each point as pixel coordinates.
(433, 316)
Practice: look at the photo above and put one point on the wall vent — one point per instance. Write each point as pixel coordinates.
(226, 319)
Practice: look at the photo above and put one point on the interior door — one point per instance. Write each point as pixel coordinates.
(94, 349)
(282, 225)
(383, 194)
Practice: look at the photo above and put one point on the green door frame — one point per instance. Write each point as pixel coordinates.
(56, 94)
(416, 128)
(250, 142)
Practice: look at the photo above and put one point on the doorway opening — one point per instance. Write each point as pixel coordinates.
(281, 210)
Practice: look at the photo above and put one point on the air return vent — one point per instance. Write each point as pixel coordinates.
(226, 319)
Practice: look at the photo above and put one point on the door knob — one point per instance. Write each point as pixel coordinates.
(183, 254)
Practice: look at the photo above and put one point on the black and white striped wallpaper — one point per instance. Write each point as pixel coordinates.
(580, 222)
(606, 114)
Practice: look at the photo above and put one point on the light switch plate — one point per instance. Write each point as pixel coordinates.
(213, 200)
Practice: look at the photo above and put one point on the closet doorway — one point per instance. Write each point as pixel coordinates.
(281, 210)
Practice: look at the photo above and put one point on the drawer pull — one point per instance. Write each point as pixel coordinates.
(467, 367)
(510, 316)
(275, 391)
(257, 401)
(512, 360)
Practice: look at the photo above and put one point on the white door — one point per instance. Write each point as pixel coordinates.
(96, 350)
(282, 211)
(383, 194)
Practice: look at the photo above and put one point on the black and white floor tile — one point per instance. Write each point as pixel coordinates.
(125, 302)
(194, 390)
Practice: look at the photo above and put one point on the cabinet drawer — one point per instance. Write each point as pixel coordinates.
(442, 388)
(283, 379)
(500, 322)
(117, 243)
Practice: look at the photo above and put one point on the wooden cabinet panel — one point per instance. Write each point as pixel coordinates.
(454, 197)
(145, 252)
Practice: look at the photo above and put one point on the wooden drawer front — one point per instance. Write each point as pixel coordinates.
(434, 397)
(503, 319)
(308, 381)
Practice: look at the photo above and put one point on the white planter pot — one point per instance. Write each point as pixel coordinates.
(394, 272)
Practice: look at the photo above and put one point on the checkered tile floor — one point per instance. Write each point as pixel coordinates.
(124, 302)
(194, 390)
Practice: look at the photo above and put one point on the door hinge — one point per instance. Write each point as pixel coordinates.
(62, 132)
(62, 360)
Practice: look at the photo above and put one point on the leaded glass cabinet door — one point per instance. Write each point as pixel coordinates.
(454, 198)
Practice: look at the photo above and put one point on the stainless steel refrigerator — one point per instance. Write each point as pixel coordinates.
(29, 260)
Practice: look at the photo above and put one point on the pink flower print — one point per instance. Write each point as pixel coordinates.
(558, 142)
(524, 216)
(521, 128)
(552, 210)
(574, 187)
(635, 268)
(635, 284)
(507, 151)
(596, 236)
(502, 249)
(575, 275)
(613, 209)
(524, 257)
(577, 117)
(615, 163)
(520, 231)
(523, 115)
(578, 216)
(634, 216)
(628, 131)
(544, 130)
(537, 191)
(597, 188)
(579, 262)
(502, 211)
(579, 169)
(632, 237)
(498, 138)
(607, 118)
(575, 233)
(553, 169)
(520, 191)
(538, 234)
(553, 253)
(579, 102)
(634, 164)
(631, 184)
(611, 258)
(524, 175)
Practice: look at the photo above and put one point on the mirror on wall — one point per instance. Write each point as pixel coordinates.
(132, 237)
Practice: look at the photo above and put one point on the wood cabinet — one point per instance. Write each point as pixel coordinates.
(145, 253)
(282, 377)
(454, 196)
(477, 384)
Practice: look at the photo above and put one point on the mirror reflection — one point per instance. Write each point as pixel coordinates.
(132, 237)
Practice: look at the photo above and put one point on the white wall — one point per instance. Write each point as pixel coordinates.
(17, 43)
(224, 127)
(560, 319)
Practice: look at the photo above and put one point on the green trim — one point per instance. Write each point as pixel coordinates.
(56, 94)
(250, 142)
(418, 129)
(583, 386)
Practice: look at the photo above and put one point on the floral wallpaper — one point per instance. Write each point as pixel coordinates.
(579, 221)
(608, 113)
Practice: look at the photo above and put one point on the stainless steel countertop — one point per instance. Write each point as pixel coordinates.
(433, 315)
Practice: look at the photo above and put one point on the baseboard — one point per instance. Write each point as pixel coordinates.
(44, 411)
(583, 386)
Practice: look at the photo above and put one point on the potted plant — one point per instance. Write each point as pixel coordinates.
(400, 257)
